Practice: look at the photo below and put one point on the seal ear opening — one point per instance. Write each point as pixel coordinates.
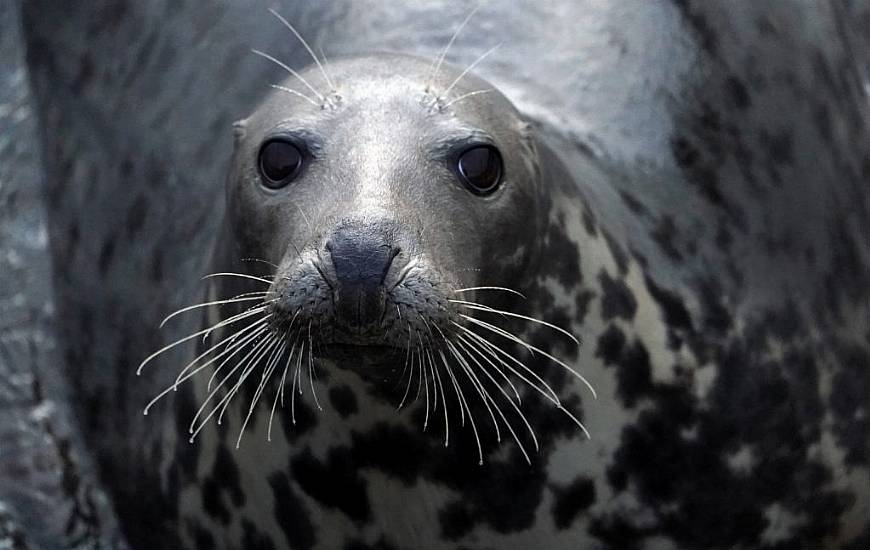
(239, 129)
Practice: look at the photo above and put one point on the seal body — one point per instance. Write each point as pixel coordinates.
(714, 269)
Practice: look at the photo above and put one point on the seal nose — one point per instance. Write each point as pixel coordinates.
(361, 256)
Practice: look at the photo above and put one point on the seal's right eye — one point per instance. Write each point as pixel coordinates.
(280, 162)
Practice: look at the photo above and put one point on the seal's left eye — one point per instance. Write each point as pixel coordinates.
(280, 162)
(480, 168)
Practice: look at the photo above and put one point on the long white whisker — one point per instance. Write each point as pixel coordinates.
(434, 72)
(475, 383)
(305, 44)
(462, 402)
(509, 336)
(256, 310)
(311, 368)
(207, 304)
(292, 72)
(296, 376)
(279, 393)
(464, 96)
(185, 339)
(467, 70)
(467, 345)
(493, 350)
(229, 342)
(437, 374)
(250, 367)
(192, 428)
(237, 348)
(267, 374)
(239, 275)
(180, 379)
(297, 93)
(472, 288)
(494, 366)
(481, 307)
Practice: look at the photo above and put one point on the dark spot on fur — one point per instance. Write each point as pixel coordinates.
(136, 215)
(126, 168)
(850, 404)
(617, 300)
(291, 513)
(619, 255)
(107, 252)
(634, 372)
(252, 539)
(584, 297)
(380, 544)
(779, 146)
(455, 520)
(672, 306)
(664, 235)
(572, 500)
(203, 538)
(156, 271)
(737, 92)
(335, 482)
(343, 400)
(633, 203)
(704, 32)
(559, 245)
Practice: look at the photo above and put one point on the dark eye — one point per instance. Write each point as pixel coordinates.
(280, 162)
(480, 168)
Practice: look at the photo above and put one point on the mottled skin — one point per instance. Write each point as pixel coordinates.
(720, 293)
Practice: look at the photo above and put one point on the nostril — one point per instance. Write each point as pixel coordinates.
(361, 258)
(360, 262)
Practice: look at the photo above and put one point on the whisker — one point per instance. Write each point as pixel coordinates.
(297, 93)
(192, 428)
(260, 260)
(250, 312)
(267, 373)
(238, 348)
(248, 369)
(495, 367)
(509, 336)
(492, 349)
(475, 383)
(464, 96)
(295, 380)
(482, 307)
(307, 47)
(443, 399)
(240, 275)
(468, 69)
(229, 342)
(188, 338)
(468, 347)
(180, 379)
(471, 288)
(311, 368)
(434, 72)
(279, 393)
(292, 72)
(410, 374)
(462, 402)
(207, 304)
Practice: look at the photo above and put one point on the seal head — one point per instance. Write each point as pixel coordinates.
(381, 201)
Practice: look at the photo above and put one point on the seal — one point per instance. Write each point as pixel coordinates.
(377, 232)
(686, 229)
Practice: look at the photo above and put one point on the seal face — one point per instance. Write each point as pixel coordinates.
(377, 209)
